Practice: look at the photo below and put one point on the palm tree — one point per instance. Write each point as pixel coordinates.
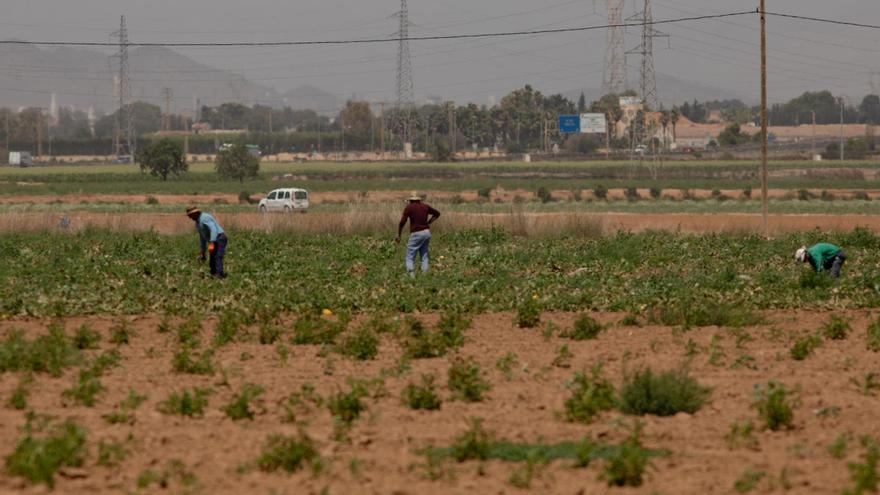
(664, 123)
(673, 119)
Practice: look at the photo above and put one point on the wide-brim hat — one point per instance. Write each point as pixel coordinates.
(801, 254)
(192, 210)
(414, 197)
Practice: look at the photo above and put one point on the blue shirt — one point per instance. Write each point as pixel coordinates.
(208, 229)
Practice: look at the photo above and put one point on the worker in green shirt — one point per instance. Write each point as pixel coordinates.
(823, 257)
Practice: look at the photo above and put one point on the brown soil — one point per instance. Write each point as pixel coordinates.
(526, 408)
(336, 197)
(530, 224)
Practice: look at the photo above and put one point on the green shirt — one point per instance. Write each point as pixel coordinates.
(822, 253)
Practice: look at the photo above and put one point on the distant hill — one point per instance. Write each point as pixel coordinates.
(671, 91)
(84, 78)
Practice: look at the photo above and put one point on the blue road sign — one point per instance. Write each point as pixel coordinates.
(570, 124)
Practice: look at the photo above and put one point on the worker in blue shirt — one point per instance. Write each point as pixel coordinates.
(212, 238)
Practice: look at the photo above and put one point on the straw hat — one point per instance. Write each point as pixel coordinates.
(192, 210)
(414, 196)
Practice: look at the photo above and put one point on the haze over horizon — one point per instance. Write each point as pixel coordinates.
(722, 54)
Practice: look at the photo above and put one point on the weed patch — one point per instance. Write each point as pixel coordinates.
(466, 382)
(423, 396)
(663, 394)
(804, 347)
(585, 328)
(873, 336)
(86, 338)
(837, 328)
(240, 406)
(45, 449)
(528, 313)
(362, 345)
(864, 474)
(50, 353)
(590, 395)
(189, 403)
(774, 404)
(626, 465)
(288, 454)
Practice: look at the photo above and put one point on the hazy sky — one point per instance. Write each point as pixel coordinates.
(719, 53)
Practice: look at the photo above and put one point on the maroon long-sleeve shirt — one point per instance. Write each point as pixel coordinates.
(418, 216)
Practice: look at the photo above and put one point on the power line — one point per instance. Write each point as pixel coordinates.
(826, 21)
(384, 40)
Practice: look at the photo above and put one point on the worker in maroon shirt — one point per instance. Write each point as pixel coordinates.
(420, 217)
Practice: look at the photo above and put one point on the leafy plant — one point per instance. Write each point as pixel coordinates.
(864, 475)
(741, 435)
(347, 406)
(528, 314)
(288, 453)
(873, 336)
(465, 380)
(228, 327)
(451, 328)
(421, 343)
(240, 406)
(774, 404)
(269, 333)
(837, 328)
(111, 453)
(121, 332)
(50, 353)
(837, 448)
(804, 347)
(585, 328)
(18, 399)
(122, 413)
(563, 356)
(663, 394)
(174, 470)
(590, 395)
(45, 449)
(362, 345)
(473, 444)
(748, 481)
(505, 365)
(192, 361)
(311, 329)
(627, 464)
(189, 403)
(86, 337)
(422, 396)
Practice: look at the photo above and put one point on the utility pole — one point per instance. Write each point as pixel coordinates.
(842, 144)
(166, 119)
(7, 130)
(382, 128)
(764, 203)
(614, 75)
(405, 94)
(39, 132)
(813, 140)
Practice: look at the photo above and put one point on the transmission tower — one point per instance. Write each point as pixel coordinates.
(648, 78)
(405, 96)
(614, 77)
(124, 136)
(166, 118)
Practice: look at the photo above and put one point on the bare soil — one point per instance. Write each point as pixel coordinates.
(382, 457)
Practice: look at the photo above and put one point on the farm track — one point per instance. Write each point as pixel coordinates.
(525, 408)
(530, 224)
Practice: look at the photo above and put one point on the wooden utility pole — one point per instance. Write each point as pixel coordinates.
(813, 140)
(764, 203)
(7, 130)
(382, 128)
(39, 132)
(842, 144)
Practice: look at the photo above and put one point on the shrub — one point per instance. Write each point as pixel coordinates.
(311, 329)
(111, 453)
(347, 406)
(240, 406)
(422, 396)
(600, 192)
(544, 195)
(774, 405)
(663, 394)
(190, 404)
(864, 475)
(227, 328)
(528, 314)
(86, 338)
(452, 326)
(85, 389)
(632, 194)
(804, 195)
(38, 457)
(46, 354)
(474, 444)
(121, 333)
(585, 328)
(837, 328)
(873, 336)
(804, 347)
(421, 343)
(626, 465)
(193, 362)
(747, 192)
(484, 192)
(18, 399)
(287, 453)
(590, 395)
(269, 333)
(465, 382)
(656, 192)
(244, 197)
(362, 345)
(151, 200)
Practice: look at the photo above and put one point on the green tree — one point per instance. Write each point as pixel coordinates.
(162, 158)
(237, 162)
(582, 103)
(731, 136)
(870, 109)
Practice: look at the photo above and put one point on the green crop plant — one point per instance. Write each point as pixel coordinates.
(240, 406)
(111, 453)
(590, 395)
(288, 453)
(505, 365)
(873, 336)
(522, 476)
(627, 464)
(346, 407)
(473, 444)
(465, 381)
(775, 405)
(124, 411)
(869, 385)
(422, 396)
(528, 313)
(837, 448)
(189, 332)
(18, 399)
(662, 394)
(361, 344)
(50, 353)
(86, 337)
(864, 474)
(229, 326)
(748, 481)
(269, 333)
(188, 403)
(311, 329)
(174, 471)
(451, 327)
(44, 449)
(420, 342)
(630, 320)
(741, 435)
(804, 347)
(585, 328)
(192, 361)
(837, 328)
(121, 333)
(85, 389)
(562, 358)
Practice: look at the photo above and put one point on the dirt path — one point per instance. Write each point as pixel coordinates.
(384, 221)
(382, 453)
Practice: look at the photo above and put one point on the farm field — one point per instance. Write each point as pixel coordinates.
(574, 345)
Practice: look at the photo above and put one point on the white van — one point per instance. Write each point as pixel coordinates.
(286, 200)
